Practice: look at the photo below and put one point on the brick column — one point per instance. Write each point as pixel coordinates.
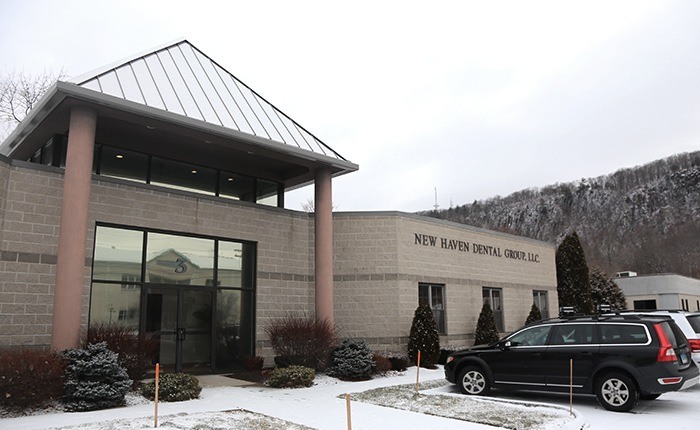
(70, 266)
(323, 245)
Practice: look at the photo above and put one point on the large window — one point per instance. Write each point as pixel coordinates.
(197, 291)
(433, 295)
(540, 300)
(494, 297)
(149, 169)
(644, 304)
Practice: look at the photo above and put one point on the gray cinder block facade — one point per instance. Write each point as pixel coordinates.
(132, 206)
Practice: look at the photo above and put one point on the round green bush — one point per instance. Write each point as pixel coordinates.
(291, 377)
(173, 387)
(352, 361)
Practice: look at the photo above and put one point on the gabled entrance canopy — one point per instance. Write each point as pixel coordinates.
(176, 101)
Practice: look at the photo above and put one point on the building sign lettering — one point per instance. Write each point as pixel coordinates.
(474, 248)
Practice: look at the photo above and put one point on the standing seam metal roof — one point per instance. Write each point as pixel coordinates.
(179, 78)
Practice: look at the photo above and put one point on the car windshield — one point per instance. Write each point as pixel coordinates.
(694, 321)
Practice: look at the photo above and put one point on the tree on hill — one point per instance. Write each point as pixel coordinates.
(486, 331)
(573, 286)
(604, 291)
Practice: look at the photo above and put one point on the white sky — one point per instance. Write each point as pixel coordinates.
(472, 98)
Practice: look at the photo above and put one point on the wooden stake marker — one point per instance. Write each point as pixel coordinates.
(347, 407)
(155, 415)
(417, 371)
(571, 386)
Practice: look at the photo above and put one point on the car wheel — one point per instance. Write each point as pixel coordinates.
(473, 380)
(617, 392)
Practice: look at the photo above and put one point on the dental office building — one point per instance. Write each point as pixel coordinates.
(150, 193)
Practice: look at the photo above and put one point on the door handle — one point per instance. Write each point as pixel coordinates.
(181, 334)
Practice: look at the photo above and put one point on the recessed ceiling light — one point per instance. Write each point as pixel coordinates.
(230, 179)
(119, 156)
(193, 171)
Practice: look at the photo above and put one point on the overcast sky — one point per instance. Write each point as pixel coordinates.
(476, 99)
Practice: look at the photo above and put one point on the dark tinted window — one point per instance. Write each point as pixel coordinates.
(572, 334)
(120, 163)
(694, 321)
(183, 176)
(623, 333)
(238, 187)
(674, 334)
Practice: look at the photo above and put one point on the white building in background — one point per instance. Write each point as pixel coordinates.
(661, 291)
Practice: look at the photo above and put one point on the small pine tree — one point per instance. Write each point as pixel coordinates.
(486, 331)
(535, 315)
(352, 360)
(604, 291)
(424, 337)
(94, 379)
(573, 287)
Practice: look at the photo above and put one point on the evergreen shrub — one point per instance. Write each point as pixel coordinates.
(136, 351)
(301, 341)
(173, 387)
(486, 331)
(291, 377)
(351, 360)
(94, 378)
(573, 284)
(534, 315)
(30, 378)
(424, 337)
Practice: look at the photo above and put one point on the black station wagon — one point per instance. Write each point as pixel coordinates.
(619, 358)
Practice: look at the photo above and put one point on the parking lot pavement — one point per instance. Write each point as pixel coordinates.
(678, 410)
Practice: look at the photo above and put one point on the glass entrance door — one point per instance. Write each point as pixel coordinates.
(180, 318)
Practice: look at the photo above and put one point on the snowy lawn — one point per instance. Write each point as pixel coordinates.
(381, 403)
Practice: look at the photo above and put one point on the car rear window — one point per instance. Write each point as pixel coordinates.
(694, 321)
(623, 333)
(674, 334)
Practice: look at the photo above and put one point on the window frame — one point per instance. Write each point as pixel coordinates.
(541, 294)
(439, 315)
(498, 314)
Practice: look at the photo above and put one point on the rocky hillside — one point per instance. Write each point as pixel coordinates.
(645, 219)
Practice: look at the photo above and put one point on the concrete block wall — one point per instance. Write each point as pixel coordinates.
(366, 278)
(28, 246)
(379, 263)
(284, 238)
(31, 205)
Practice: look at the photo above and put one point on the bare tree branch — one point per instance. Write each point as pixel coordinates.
(19, 93)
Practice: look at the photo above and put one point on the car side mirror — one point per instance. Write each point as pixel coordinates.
(505, 345)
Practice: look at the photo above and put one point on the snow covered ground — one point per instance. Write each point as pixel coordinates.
(323, 407)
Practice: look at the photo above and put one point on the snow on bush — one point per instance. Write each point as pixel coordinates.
(94, 378)
(352, 360)
(173, 387)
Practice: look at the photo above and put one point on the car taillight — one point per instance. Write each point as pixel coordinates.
(666, 352)
(694, 344)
